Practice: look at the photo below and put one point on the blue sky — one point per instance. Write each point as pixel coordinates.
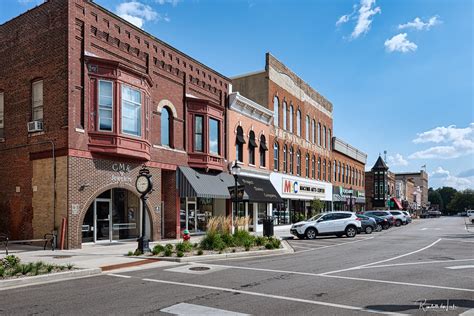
(399, 73)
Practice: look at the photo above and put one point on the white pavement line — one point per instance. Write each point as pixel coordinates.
(185, 309)
(305, 247)
(461, 267)
(119, 275)
(381, 261)
(278, 297)
(399, 283)
(414, 263)
(449, 239)
(469, 312)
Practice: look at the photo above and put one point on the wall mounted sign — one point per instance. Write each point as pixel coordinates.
(122, 169)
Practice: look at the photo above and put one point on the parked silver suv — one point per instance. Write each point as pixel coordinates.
(333, 223)
(400, 218)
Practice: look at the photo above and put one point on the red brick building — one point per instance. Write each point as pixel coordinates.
(87, 99)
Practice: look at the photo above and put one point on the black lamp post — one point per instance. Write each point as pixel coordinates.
(235, 170)
(350, 200)
(144, 186)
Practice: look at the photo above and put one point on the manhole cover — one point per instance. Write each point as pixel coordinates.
(199, 268)
(61, 257)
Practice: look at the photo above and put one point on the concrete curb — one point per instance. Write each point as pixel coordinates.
(48, 278)
(286, 248)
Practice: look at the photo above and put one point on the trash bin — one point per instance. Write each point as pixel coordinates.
(268, 226)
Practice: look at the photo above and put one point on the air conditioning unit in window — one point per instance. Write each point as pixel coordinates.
(35, 126)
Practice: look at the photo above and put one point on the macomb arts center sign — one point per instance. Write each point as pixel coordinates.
(299, 188)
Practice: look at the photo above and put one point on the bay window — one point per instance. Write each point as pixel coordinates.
(106, 105)
(131, 111)
(198, 133)
(214, 144)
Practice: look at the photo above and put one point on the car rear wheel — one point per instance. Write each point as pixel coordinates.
(386, 226)
(398, 223)
(369, 230)
(351, 232)
(311, 233)
(379, 228)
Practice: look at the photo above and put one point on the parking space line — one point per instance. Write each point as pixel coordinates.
(278, 297)
(399, 283)
(414, 263)
(301, 247)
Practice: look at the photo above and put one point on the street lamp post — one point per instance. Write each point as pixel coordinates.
(144, 186)
(235, 170)
(350, 200)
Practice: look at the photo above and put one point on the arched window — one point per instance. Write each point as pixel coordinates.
(329, 170)
(263, 149)
(335, 170)
(292, 112)
(324, 137)
(276, 109)
(166, 126)
(298, 163)
(319, 168)
(285, 165)
(252, 145)
(298, 123)
(329, 139)
(306, 161)
(347, 173)
(339, 171)
(313, 131)
(319, 135)
(313, 167)
(276, 156)
(307, 128)
(284, 115)
(324, 170)
(291, 160)
(239, 144)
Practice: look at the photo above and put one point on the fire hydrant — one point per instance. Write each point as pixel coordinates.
(186, 235)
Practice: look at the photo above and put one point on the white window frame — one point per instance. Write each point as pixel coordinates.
(135, 103)
(38, 105)
(99, 107)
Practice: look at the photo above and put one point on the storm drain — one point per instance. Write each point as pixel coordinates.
(196, 269)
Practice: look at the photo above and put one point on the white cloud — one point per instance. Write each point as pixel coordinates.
(442, 177)
(172, 2)
(364, 19)
(397, 160)
(137, 13)
(456, 142)
(419, 25)
(400, 43)
(343, 19)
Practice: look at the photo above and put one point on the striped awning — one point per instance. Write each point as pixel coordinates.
(192, 183)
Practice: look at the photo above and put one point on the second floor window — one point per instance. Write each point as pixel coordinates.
(313, 167)
(276, 154)
(307, 165)
(319, 135)
(329, 170)
(131, 111)
(324, 170)
(292, 113)
(37, 100)
(214, 144)
(298, 123)
(105, 105)
(284, 115)
(319, 168)
(239, 144)
(166, 125)
(252, 146)
(198, 134)
(263, 149)
(276, 109)
(335, 170)
(307, 128)
(298, 163)
(285, 165)
(291, 160)
(313, 131)
(325, 139)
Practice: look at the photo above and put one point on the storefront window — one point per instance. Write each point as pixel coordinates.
(280, 213)
(261, 212)
(131, 111)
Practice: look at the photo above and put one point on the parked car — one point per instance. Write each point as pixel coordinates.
(333, 223)
(400, 218)
(384, 214)
(431, 214)
(382, 222)
(369, 224)
(470, 214)
(407, 214)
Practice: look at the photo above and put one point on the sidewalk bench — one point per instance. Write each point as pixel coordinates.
(51, 238)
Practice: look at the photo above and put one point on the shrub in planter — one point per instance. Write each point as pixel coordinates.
(269, 245)
(260, 241)
(241, 237)
(10, 261)
(212, 241)
(158, 249)
(200, 252)
(228, 239)
(275, 242)
(180, 254)
(168, 252)
(2, 271)
(169, 246)
(130, 253)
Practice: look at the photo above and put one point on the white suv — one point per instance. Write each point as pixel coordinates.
(333, 223)
(470, 214)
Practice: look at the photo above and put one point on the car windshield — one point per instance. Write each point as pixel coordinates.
(315, 218)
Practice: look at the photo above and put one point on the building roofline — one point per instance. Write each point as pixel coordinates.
(248, 74)
(157, 39)
(23, 13)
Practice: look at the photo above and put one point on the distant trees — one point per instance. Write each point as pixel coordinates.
(461, 201)
(451, 200)
(435, 198)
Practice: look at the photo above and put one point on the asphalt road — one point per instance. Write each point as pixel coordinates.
(424, 268)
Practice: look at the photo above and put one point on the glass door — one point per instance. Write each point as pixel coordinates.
(103, 219)
(191, 216)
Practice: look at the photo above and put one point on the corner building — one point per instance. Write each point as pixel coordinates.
(87, 99)
(299, 140)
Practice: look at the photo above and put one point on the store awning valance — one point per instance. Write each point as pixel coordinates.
(192, 183)
(259, 190)
(338, 198)
(397, 203)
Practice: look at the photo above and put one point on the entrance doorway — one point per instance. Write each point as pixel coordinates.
(114, 215)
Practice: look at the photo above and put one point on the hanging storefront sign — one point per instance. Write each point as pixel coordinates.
(300, 188)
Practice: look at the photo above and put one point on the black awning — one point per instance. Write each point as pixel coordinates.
(263, 146)
(259, 190)
(252, 142)
(240, 139)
